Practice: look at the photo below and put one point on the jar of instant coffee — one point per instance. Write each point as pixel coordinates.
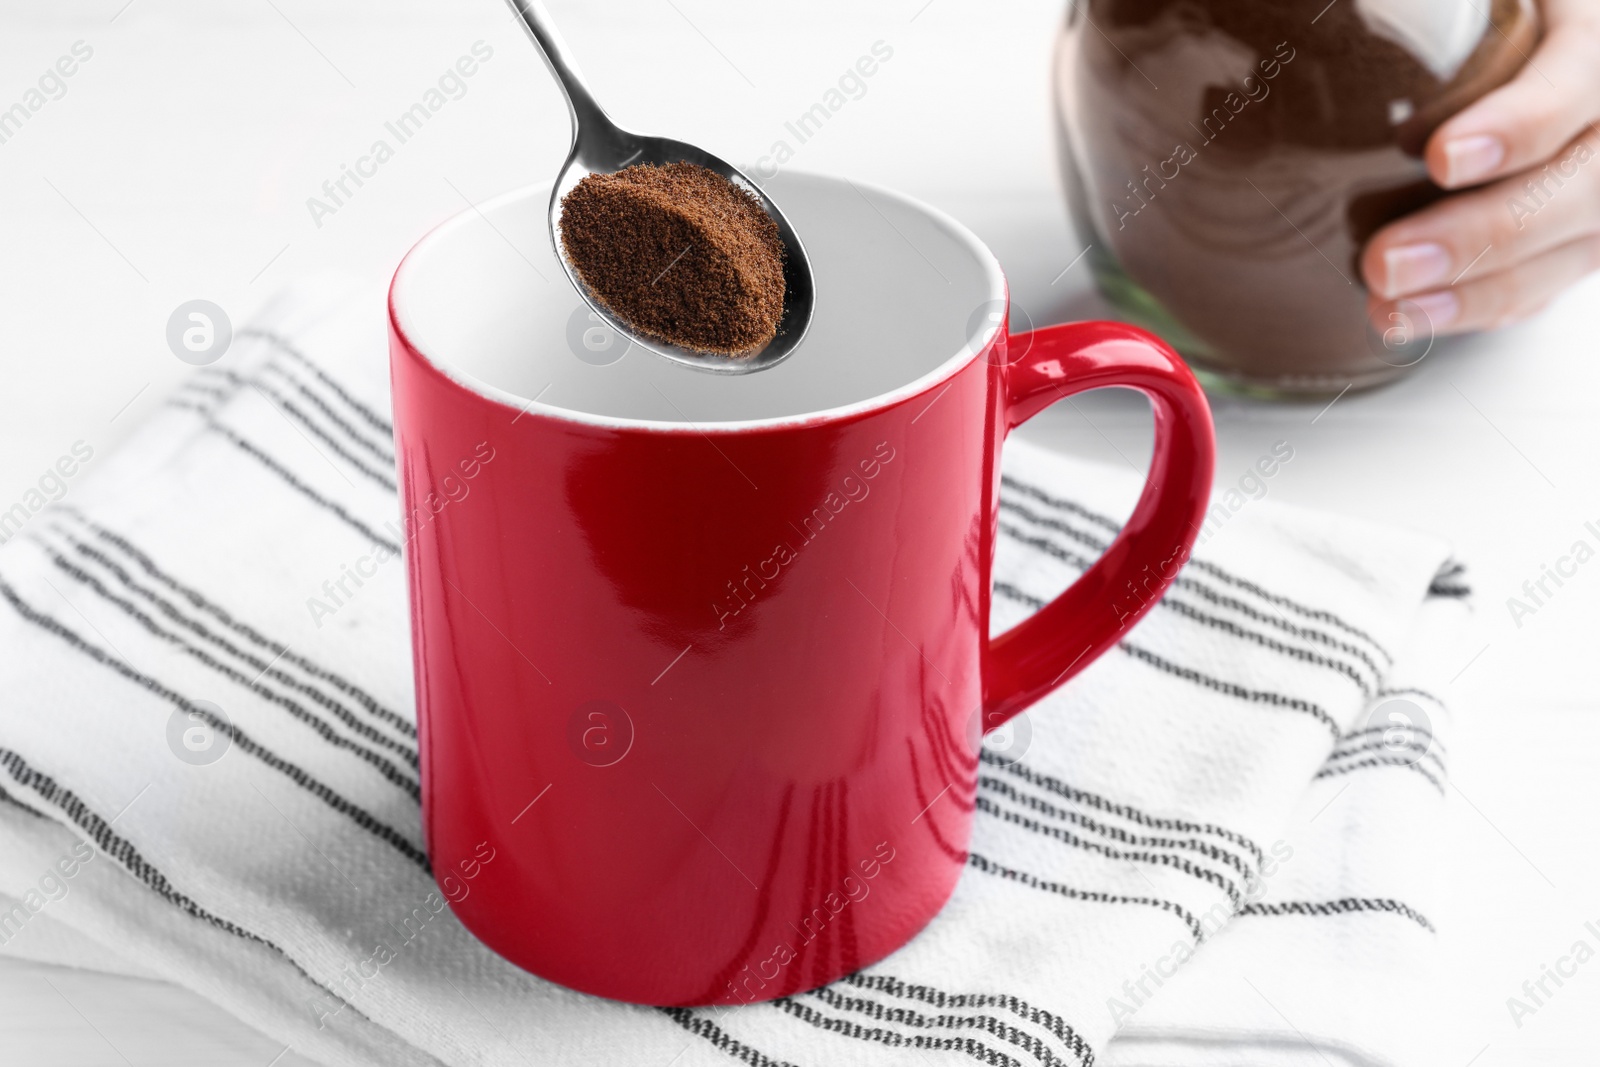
(1226, 160)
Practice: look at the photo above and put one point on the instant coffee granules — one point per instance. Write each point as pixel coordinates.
(679, 253)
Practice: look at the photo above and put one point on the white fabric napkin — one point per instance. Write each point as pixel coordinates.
(1199, 851)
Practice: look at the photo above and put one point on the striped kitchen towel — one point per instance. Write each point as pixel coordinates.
(1211, 847)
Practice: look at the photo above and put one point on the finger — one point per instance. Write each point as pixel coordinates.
(1494, 300)
(1489, 229)
(1527, 120)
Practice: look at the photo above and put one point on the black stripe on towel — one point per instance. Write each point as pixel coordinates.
(234, 380)
(1416, 750)
(938, 998)
(212, 391)
(883, 1013)
(1188, 583)
(1409, 690)
(1169, 852)
(380, 452)
(988, 866)
(1450, 581)
(1214, 622)
(381, 763)
(300, 487)
(1345, 906)
(1377, 762)
(894, 1038)
(282, 344)
(356, 814)
(122, 851)
(14, 802)
(1232, 689)
(1042, 1053)
(1203, 565)
(216, 611)
(1120, 810)
(1386, 694)
(1352, 739)
(700, 1026)
(1223, 884)
(289, 408)
(264, 668)
(288, 476)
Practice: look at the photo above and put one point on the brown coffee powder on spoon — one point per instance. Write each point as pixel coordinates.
(680, 254)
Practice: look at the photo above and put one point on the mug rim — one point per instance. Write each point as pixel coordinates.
(943, 371)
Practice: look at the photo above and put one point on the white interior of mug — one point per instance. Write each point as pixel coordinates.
(905, 296)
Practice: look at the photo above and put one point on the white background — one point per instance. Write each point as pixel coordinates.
(179, 162)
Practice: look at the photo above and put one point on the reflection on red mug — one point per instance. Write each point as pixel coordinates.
(698, 656)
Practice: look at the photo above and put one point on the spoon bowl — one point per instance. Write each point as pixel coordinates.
(600, 146)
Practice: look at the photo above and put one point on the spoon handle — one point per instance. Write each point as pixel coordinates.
(588, 117)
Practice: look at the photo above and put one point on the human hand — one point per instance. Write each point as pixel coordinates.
(1529, 226)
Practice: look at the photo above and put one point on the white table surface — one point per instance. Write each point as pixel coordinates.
(178, 163)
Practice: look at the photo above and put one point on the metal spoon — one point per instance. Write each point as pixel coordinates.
(600, 146)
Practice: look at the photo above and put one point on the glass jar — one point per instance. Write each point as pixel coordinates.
(1228, 159)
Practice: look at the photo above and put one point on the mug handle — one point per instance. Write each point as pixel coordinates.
(1067, 634)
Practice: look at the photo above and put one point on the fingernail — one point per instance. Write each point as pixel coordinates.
(1467, 159)
(1407, 268)
(1441, 307)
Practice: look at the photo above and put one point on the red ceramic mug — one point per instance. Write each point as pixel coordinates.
(698, 656)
